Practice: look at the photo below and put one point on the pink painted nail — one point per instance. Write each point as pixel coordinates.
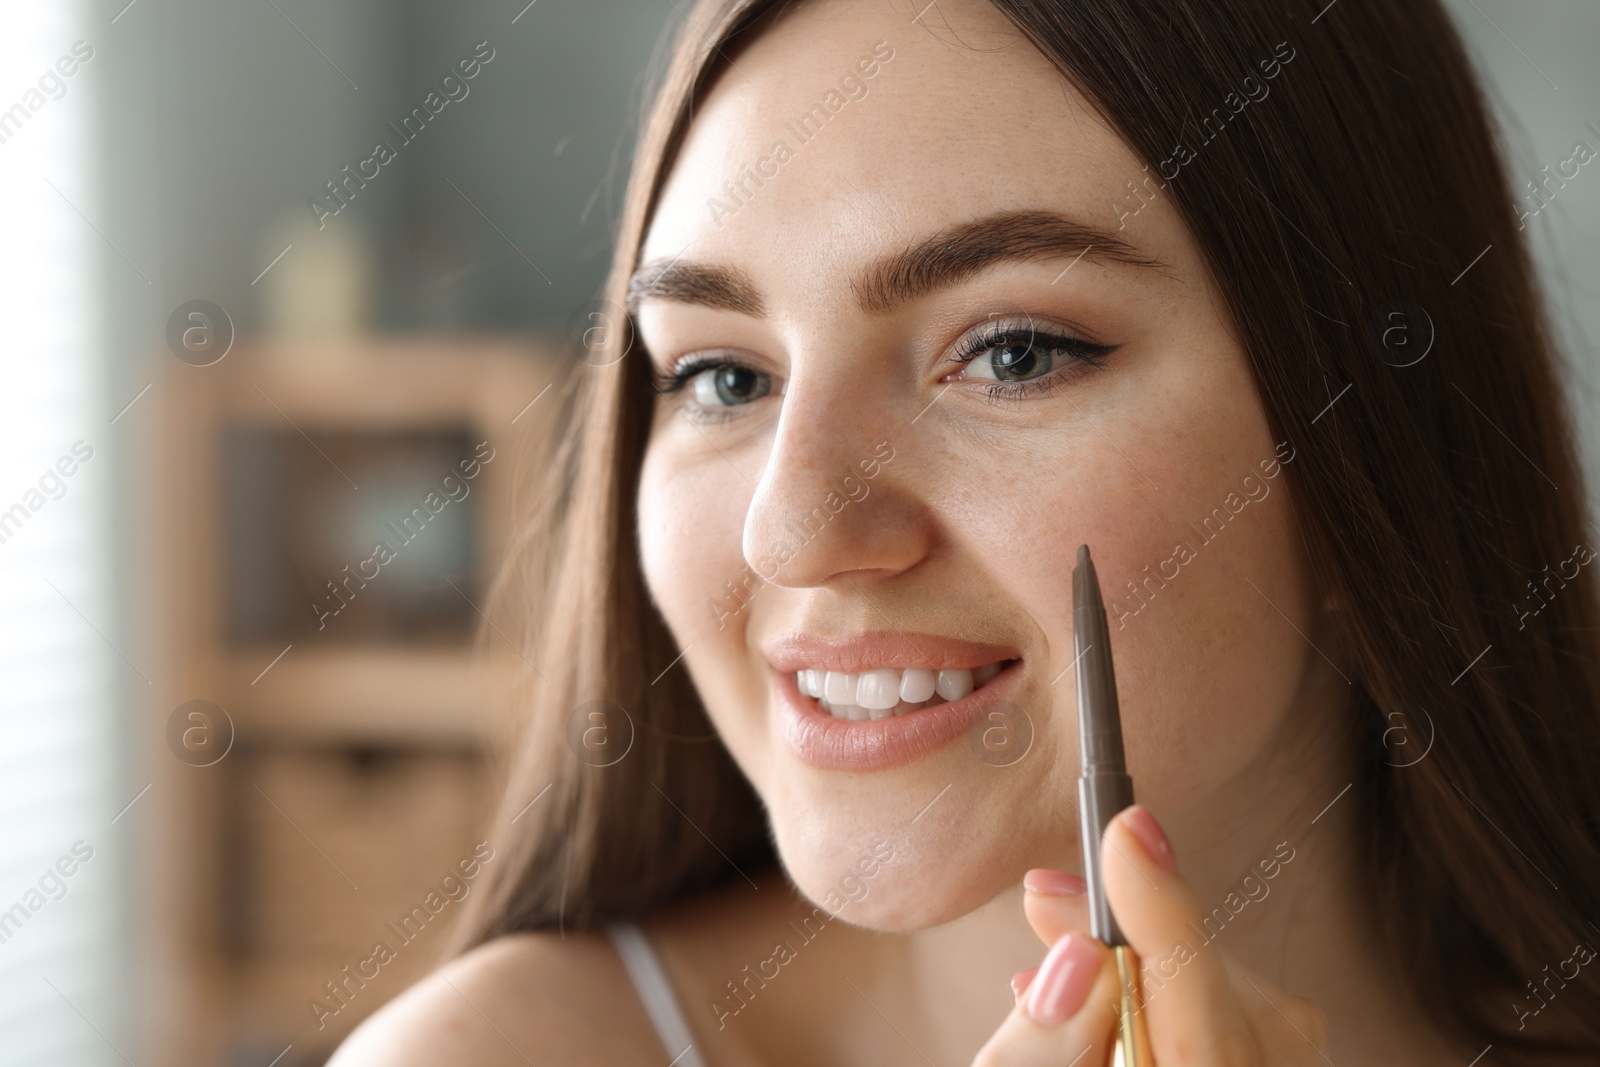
(1150, 836)
(1021, 980)
(1063, 981)
(1049, 883)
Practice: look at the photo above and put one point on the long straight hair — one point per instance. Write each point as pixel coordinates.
(1361, 202)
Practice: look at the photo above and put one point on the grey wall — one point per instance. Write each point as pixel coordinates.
(237, 114)
(546, 155)
(1542, 63)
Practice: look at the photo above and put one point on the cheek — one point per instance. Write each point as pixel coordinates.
(691, 516)
(690, 519)
(1207, 666)
(1204, 587)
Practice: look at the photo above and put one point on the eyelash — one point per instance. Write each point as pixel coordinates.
(685, 371)
(1080, 352)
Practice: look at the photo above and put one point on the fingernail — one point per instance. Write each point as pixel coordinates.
(1150, 836)
(1021, 980)
(1044, 881)
(1063, 981)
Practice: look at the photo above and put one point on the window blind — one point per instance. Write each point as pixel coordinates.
(57, 915)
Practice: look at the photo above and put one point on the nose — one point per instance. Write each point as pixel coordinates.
(836, 504)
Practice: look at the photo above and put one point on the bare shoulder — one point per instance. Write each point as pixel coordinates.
(531, 997)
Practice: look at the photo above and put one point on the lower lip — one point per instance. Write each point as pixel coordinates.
(821, 740)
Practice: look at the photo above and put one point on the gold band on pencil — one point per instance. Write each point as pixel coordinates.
(1131, 1048)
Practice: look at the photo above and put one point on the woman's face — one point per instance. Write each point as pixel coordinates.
(921, 362)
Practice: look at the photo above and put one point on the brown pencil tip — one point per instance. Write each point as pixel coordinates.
(1085, 585)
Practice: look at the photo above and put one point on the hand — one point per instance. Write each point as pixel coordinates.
(1213, 1012)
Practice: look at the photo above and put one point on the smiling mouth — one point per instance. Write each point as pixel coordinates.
(886, 692)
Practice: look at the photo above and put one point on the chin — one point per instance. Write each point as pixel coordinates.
(884, 878)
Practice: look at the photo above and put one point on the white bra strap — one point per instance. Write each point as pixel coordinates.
(655, 993)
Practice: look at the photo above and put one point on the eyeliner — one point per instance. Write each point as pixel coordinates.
(1104, 789)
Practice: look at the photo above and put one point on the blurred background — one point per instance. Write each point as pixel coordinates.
(269, 394)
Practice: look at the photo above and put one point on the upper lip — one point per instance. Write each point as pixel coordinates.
(898, 649)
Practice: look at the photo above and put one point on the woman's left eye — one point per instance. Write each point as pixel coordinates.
(1020, 357)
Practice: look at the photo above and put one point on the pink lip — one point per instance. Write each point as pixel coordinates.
(817, 738)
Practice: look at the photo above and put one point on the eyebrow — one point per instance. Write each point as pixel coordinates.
(943, 259)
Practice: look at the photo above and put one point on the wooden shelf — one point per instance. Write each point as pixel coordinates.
(295, 715)
(383, 693)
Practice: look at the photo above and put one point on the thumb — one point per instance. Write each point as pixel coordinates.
(1158, 914)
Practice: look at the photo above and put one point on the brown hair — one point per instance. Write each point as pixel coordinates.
(1432, 495)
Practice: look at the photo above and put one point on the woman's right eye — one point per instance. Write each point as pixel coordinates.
(719, 384)
(729, 386)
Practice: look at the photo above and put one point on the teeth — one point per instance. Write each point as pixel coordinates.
(878, 690)
(884, 691)
(953, 685)
(857, 713)
(917, 685)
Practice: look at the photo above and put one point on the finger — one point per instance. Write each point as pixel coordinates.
(1021, 980)
(1195, 1014)
(1066, 1014)
(1054, 903)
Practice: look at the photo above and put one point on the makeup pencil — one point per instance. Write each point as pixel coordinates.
(1104, 789)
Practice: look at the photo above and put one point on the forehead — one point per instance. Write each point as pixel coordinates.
(812, 149)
